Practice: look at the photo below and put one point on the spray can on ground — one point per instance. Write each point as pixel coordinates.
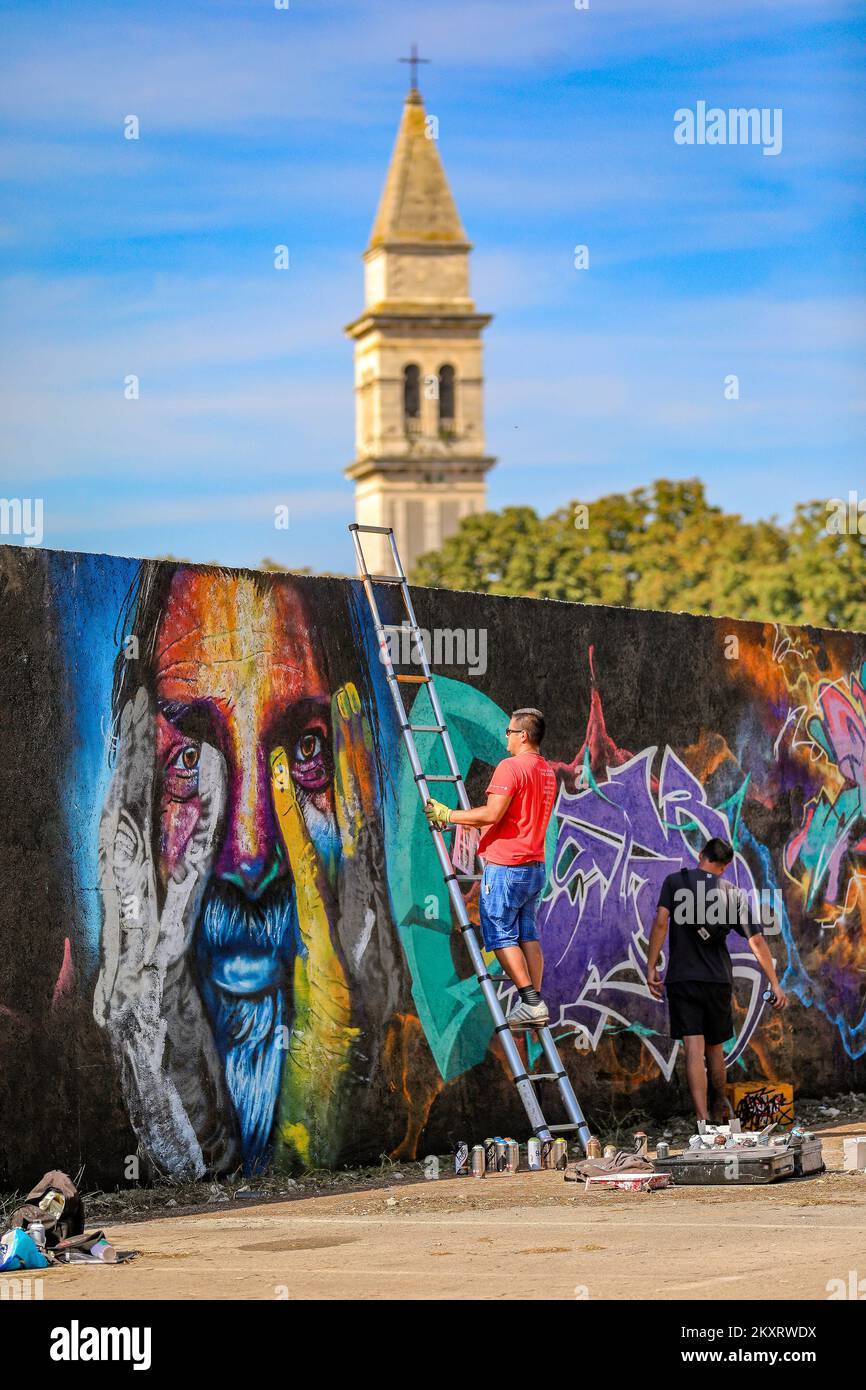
(533, 1154)
(461, 1159)
(36, 1232)
(478, 1164)
(593, 1147)
(663, 1149)
(512, 1156)
(560, 1154)
(547, 1153)
(500, 1147)
(490, 1155)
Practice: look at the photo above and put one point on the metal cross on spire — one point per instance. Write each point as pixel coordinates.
(414, 60)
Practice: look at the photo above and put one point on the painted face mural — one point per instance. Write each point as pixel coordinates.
(241, 820)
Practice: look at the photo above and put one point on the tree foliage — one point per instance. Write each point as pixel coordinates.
(663, 546)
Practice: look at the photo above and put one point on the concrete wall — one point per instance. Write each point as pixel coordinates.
(214, 952)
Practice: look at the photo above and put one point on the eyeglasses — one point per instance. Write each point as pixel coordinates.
(513, 731)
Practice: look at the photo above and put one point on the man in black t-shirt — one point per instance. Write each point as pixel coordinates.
(700, 910)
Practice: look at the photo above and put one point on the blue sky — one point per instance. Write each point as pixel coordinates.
(262, 126)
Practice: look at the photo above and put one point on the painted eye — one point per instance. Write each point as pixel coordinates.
(187, 759)
(308, 746)
(309, 761)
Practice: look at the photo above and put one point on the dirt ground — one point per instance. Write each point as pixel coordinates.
(514, 1237)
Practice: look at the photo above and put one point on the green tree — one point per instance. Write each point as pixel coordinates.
(663, 546)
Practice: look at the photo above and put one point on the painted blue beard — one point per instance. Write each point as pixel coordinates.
(244, 953)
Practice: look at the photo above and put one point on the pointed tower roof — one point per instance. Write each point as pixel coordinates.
(416, 203)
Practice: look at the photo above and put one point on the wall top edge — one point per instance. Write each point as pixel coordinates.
(344, 577)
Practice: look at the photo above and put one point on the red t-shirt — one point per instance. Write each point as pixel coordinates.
(519, 837)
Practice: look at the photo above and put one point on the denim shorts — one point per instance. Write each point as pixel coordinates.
(509, 903)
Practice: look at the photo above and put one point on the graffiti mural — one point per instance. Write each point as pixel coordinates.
(616, 844)
(226, 941)
(826, 855)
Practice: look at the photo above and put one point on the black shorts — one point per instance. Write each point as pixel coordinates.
(697, 1007)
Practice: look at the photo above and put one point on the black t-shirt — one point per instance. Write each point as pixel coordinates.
(691, 897)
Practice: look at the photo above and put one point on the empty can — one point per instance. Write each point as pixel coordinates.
(663, 1149)
(490, 1155)
(461, 1159)
(500, 1147)
(547, 1153)
(533, 1154)
(512, 1156)
(478, 1164)
(593, 1147)
(560, 1154)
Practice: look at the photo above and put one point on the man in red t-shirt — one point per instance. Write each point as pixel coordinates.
(520, 797)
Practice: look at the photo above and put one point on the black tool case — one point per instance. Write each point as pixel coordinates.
(728, 1167)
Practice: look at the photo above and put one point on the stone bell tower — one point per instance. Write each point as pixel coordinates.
(420, 459)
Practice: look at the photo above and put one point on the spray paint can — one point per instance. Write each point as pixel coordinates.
(533, 1154)
(512, 1156)
(593, 1147)
(663, 1149)
(641, 1144)
(610, 1150)
(461, 1159)
(490, 1155)
(478, 1164)
(547, 1153)
(500, 1147)
(36, 1232)
(560, 1154)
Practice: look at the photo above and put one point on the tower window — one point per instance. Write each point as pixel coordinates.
(446, 397)
(412, 396)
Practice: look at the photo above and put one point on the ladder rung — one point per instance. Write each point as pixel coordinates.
(565, 1129)
(385, 578)
(380, 530)
(476, 878)
(411, 680)
(427, 728)
(443, 777)
(545, 1075)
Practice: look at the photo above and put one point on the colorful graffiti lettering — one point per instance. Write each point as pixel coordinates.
(827, 857)
(617, 843)
(833, 825)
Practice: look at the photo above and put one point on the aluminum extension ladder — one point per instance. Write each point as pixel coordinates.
(524, 1081)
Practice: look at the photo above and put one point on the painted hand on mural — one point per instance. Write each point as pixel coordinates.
(364, 920)
(346, 956)
(145, 996)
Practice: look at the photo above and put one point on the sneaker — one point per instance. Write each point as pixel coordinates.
(528, 1015)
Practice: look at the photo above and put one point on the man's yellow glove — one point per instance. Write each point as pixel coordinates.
(437, 814)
